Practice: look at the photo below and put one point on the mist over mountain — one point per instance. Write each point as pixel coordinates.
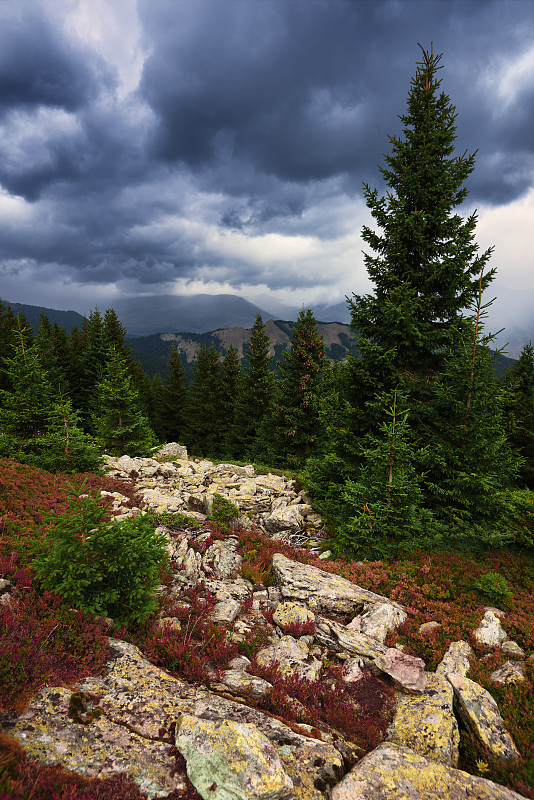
(203, 313)
(198, 313)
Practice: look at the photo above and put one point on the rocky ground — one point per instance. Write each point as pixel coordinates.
(232, 749)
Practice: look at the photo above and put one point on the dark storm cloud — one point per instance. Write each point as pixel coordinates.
(250, 118)
(38, 66)
(305, 91)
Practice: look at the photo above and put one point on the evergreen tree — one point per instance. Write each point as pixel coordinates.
(291, 430)
(205, 408)
(414, 334)
(49, 343)
(382, 511)
(92, 355)
(426, 270)
(119, 424)
(231, 373)
(115, 332)
(521, 407)
(469, 461)
(8, 326)
(171, 400)
(65, 447)
(254, 392)
(24, 409)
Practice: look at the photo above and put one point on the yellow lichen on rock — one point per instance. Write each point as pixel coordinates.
(478, 710)
(394, 772)
(426, 723)
(231, 760)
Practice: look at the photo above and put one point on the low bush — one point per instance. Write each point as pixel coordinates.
(190, 647)
(102, 568)
(493, 588)
(44, 641)
(223, 512)
(361, 711)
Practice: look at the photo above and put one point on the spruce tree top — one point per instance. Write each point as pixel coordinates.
(427, 270)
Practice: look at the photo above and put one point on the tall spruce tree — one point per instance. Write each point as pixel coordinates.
(205, 408)
(521, 410)
(255, 391)
(170, 400)
(49, 341)
(290, 431)
(24, 408)
(8, 326)
(420, 333)
(231, 373)
(426, 269)
(119, 423)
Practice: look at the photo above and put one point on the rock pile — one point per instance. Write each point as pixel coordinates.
(270, 502)
(233, 751)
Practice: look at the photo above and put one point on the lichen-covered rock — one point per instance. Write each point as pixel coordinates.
(322, 591)
(478, 711)
(341, 639)
(241, 683)
(352, 671)
(283, 519)
(407, 672)
(490, 631)
(426, 723)
(380, 619)
(428, 627)
(192, 565)
(231, 760)
(221, 560)
(394, 772)
(137, 700)
(511, 672)
(133, 693)
(456, 659)
(226, 610)
(512, 649)
(292, 613)
(291, 655)
(172, 449)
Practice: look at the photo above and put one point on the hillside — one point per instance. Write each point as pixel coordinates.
(313, 680)
(153, 352)
(67, 319)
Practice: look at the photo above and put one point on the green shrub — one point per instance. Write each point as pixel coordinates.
(100, 567)
(223, 512)
(493, 587)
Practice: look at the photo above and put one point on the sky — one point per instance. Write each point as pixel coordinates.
(221, 146)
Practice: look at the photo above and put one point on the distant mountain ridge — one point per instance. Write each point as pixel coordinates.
(199, 313)
(153, 351)
(154, 323)
(69, 319)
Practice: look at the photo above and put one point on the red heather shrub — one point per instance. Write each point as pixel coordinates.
(361, 711)
(199, 644)
(43, 641)
(26, 492)
(268, 614)
(297, 629)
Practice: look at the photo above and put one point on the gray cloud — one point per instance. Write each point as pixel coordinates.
(250, 133)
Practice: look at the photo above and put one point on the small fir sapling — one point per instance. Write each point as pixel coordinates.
(102, 568)
(223, 512)
(383, 504)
